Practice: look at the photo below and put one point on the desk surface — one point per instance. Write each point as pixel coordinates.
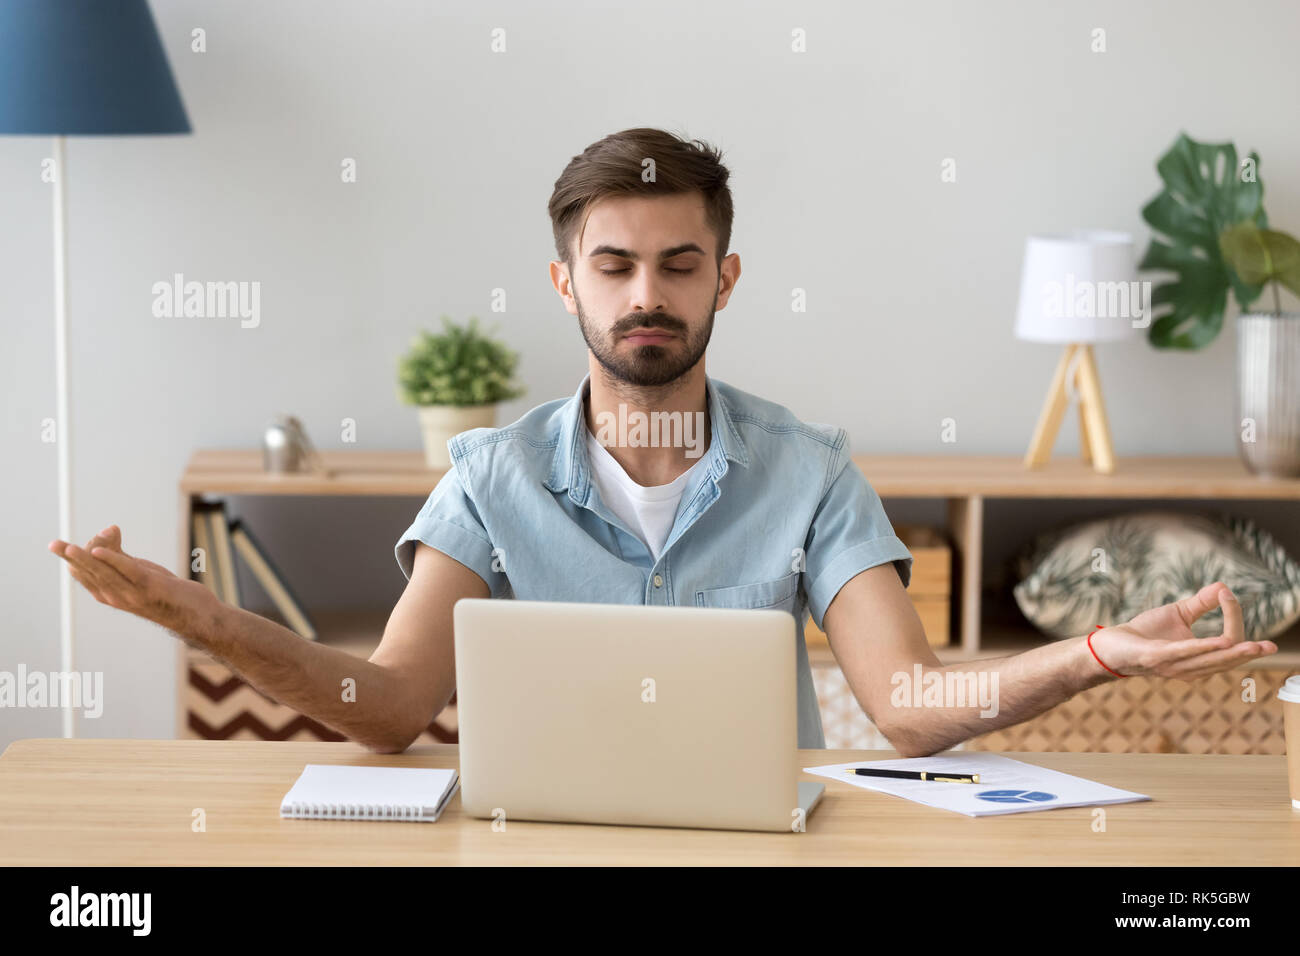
(130, 802)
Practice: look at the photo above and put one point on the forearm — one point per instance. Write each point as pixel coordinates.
(304, 675)
(968, 699)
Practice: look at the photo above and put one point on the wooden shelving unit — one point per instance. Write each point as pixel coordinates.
(964, 483)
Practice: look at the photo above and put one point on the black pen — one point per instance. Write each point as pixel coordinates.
(949, 777)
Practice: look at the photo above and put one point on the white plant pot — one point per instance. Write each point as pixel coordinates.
(440, 423)
(1268, 382)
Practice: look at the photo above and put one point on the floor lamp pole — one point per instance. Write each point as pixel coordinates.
(63, 435)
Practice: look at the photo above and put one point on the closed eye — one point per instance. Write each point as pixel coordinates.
(614, 272)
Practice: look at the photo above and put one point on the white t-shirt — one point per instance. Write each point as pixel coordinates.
(649, 512)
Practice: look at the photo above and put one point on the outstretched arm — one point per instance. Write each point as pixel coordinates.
(878, 640)
(407, 680)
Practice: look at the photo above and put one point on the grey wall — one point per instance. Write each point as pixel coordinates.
(835, 155)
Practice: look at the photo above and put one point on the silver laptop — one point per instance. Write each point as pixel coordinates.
(632, 714)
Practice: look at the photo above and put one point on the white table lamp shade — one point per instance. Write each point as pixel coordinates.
(1080, 287)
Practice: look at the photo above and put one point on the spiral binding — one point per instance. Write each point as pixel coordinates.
(354, 811)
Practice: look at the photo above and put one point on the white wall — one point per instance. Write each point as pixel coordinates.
(835, 156)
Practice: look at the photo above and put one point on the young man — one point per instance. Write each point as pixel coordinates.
(654, 484)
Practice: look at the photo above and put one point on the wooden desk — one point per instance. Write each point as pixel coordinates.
(130, 802)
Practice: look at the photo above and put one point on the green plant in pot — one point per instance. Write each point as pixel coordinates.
(456, 379)
(1213, 236)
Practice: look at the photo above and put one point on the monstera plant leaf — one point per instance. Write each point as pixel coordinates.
(1262, 255)
(1204, 194)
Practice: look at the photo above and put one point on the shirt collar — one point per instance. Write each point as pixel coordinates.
(571, 469)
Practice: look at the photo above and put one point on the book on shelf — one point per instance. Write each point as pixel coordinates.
(272, 581)
(223, 557)
(221, 539)
(200, 530)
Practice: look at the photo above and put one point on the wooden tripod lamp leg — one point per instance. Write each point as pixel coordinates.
(1094, 410)
(1049, 420)
(1085, 440)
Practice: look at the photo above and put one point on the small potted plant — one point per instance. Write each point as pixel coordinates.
(455, 379)
(1212, 235)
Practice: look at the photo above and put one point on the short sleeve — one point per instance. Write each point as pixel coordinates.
(849, 534)
(450, 523)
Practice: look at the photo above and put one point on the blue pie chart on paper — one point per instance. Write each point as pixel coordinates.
(1016, 796)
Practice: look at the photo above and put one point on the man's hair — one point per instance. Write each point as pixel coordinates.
(614, 166)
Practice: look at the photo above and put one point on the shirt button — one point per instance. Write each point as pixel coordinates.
(659, 581)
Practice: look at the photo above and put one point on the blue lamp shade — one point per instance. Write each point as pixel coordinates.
(72, 67)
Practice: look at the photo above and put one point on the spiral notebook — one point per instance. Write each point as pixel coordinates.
(344, 792)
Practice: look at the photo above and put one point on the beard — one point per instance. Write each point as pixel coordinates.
(647, 366)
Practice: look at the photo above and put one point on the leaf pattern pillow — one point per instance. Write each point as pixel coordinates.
(1110, 570)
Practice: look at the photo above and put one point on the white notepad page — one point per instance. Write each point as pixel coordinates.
(344, 792)
(1006, 785)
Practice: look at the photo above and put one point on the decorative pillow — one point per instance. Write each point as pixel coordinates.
(1110, 570)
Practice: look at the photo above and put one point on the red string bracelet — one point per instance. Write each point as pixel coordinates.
(1094, 653)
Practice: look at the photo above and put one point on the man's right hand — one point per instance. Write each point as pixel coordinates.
(133, 584)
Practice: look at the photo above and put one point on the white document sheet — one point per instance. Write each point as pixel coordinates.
(1006, 785)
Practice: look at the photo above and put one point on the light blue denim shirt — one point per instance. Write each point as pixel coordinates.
(778, 517)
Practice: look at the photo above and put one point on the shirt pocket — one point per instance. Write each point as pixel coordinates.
(778, 594)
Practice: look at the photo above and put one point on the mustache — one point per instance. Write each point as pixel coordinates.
(665, 323)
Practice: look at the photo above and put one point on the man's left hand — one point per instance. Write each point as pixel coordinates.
(1160, 642)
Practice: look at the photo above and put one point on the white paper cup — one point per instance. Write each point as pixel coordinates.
(1289, 695)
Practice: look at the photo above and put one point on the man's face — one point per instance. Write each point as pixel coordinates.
(645, 286)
